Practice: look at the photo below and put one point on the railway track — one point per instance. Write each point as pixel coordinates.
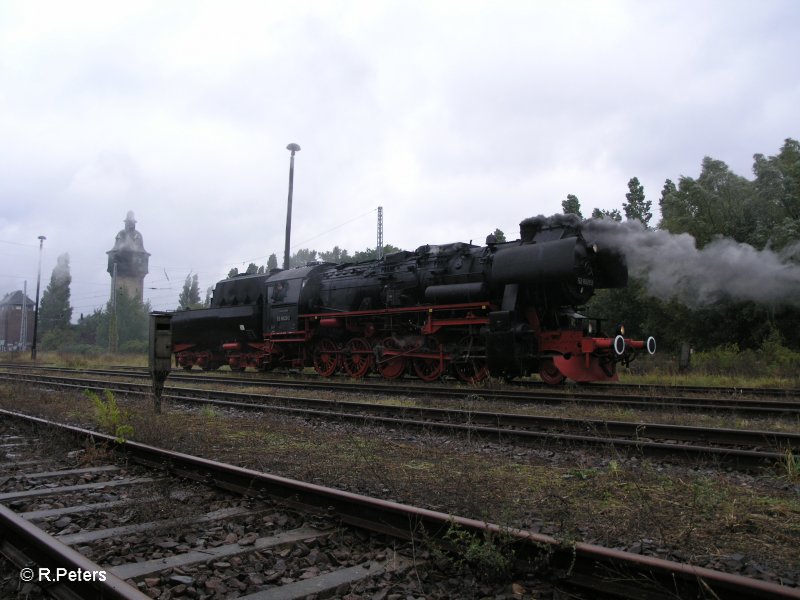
(264, 530)
(735, 447)
(751, 402)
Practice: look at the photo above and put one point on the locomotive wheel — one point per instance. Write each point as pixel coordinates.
(550, 373)
(391, 367)
(271, 358)
(470, 370)
(326, 357)
(429, 369)
(357, 358)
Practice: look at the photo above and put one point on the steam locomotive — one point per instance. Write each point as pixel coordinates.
(504, 309)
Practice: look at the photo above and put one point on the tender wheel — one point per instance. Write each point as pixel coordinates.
(470, 369)
(391, 366)
(550, 373)
(357, 358)
(432, 367)
(326, 357)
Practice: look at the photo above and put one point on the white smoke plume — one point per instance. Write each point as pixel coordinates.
(672, 266)
(61, 274)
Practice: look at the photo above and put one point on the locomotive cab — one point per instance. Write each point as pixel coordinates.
(289, 294)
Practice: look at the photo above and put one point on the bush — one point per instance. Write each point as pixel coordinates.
(772, 359)
(779, 359)
(724, 360)
(81, 349)
(56, 339)
(134, 347)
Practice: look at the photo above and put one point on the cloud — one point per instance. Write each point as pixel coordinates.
(456, 117)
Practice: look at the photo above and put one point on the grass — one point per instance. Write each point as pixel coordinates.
(80, 361)
(791, 466)
(731, 380)
(647, 372)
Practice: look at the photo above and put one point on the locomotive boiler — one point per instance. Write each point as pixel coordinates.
(504, 309)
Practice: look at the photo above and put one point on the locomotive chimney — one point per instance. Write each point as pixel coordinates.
(293, 148)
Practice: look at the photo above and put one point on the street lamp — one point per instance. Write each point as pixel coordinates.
(294, 148)
(36, 312)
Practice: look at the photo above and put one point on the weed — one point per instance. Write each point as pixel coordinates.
(582, 474)
(490, 556)
(209, 412)
(791, 465)
(109, 416)
(94, 454)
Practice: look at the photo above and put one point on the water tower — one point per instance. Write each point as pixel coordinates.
(128, 261)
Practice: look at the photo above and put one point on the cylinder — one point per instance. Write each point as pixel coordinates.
(457, 292)
(536, 263)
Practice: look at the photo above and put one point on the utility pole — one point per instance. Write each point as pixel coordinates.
(293, 148)
(23, 324)
(36, 313)
(113, 333)
(380, 232)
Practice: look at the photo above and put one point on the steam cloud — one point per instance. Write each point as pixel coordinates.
(61, 274)
(673, 267)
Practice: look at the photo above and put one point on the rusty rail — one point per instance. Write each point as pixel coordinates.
(580, 564)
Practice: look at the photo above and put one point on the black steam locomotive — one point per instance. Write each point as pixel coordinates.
(503, 309)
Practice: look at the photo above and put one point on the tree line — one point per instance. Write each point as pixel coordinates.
(717, 205)
(123, 325)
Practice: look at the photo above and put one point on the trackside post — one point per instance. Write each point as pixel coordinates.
(160, 353)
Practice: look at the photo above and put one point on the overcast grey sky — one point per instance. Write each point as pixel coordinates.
(457, 117)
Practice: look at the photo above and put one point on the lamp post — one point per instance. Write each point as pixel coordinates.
(36, 311)
(294, 148)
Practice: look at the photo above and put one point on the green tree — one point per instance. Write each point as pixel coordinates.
(777, 186)
(614, 214)
(132, 322)
(778, 179)
(86, 332)
(189, 297)
(500, 236)
(252, 269)
(372, 253)
(637, 207)
(666, 192)
(337, 255)
(302, 257)
(55, 313)
(718, 202)
(572, 206)
(272, 262)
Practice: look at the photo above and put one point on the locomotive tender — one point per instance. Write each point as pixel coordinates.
(504, 309)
